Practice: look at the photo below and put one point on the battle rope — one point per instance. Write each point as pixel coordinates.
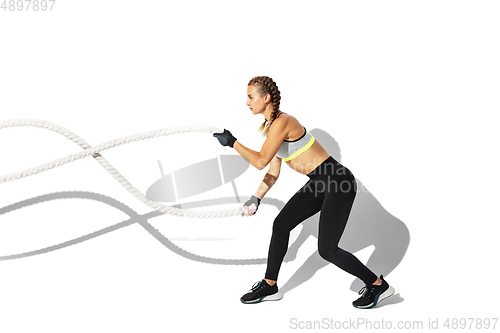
(88, 150)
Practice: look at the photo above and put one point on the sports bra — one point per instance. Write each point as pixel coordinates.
(291, 149)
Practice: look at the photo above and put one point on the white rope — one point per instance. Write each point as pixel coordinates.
(94, 152)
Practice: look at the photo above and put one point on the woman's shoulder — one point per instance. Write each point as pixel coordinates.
(288, 119)
(283, 120)
(289, 125)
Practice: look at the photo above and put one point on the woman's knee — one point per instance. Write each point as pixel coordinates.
(327, 252)
(281, 224)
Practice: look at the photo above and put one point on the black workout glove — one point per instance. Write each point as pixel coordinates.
(225, 138)
(253, 204)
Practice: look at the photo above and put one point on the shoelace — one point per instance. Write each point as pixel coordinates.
(367, 291)
(257, 286)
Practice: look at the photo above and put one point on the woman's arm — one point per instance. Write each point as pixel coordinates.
(269, 149)
(270, 178)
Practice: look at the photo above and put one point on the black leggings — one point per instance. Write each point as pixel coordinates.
(331, 188)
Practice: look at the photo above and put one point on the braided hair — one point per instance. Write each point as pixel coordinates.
(265, 85)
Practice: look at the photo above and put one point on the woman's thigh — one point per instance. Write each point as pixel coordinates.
(303, 204)
(335, 210)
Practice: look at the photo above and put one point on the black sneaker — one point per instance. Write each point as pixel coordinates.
(261, 291)
(372, 295)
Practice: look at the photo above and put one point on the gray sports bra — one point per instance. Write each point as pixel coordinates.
(291, 149)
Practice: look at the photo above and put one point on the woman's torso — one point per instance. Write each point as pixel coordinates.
(309, 159)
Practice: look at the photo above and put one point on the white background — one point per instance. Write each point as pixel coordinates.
(409, 90)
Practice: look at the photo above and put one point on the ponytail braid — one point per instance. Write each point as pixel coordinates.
(265, 85)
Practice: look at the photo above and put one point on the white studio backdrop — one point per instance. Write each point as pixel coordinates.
(407, 90)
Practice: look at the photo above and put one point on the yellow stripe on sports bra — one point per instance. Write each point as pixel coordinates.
(301, 150)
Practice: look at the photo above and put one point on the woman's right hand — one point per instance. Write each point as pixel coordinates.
(251, 206)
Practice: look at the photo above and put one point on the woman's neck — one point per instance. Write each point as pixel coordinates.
(267, 112)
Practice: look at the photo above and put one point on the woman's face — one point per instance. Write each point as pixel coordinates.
(255, 102)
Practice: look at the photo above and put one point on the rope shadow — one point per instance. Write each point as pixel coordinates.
(134, 218)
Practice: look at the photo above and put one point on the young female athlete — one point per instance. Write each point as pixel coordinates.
(331, 189)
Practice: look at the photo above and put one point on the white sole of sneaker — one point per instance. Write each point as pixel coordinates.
(273, 297)
(389, 292)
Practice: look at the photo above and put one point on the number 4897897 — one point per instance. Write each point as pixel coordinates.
(27, 5)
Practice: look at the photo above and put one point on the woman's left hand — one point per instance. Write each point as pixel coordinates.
(251, 206)
(248, 211)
